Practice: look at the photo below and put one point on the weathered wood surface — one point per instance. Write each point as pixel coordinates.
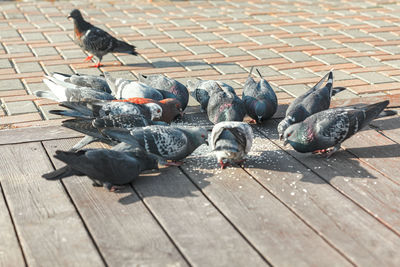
(124, 230)
(335, 217)
(10, 250)
(282, 208)
(278, 234)
(49, 228)
(24, 135)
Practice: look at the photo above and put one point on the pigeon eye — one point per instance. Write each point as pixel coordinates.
(289, 134)
(203, 135)
(158, 110)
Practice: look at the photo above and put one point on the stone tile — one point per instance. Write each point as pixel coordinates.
(232, 51)
(129, 59)
(373, 77)
(366, 61)
(58, 38)
(206, 36)
(294, 29)
(355, 33)
(20, 48)
(6, 85)
(229, 68)
(195, 65)
(164, 62)
(264, 40)
(331, 59)
(235, 38)
(144, 44)
(71, 54)
(338, 75)
(267, 71)
(295, 90)
(167, 47)
(324, 31)
(237, 26)
(297, 56)
(14, 108)
(327, 44)
(5, 64)
(149, 32)
(45, 51)
(58, 68)
(178, 34)
(264, 54)
(386, 36)
(183, 22)
(33, 36)
(4, 34)
(28, 67)
(295, 41)
(360, 46)
(201, 49)
(298, 73)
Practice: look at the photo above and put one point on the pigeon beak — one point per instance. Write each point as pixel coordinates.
(207, 143)
(69, 17)
(281, 137)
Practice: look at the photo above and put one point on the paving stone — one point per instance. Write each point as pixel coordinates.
(28, 67)
(338, 75)
(331, 59)
(168, 47)
(237, 26)
(298, 73)
(295, 90)
(45, 51)
(327, 44)
(183, 22)
(6, 85)
(374, 77)
(149, 32)
(297, 56)
(14, 49)
(32, 87)
(345, 94)
(14, 108)
(263, 40)
(235, 38)
(367, 61)
(386, 36)
(229, 68)
(195, 65)
(33, 36)
(360, 46)
(58, 68)
(267, 71)
(4, 34)
(130, 59)
(206, 36)
(178, 34)
(294, 29)
(144, 44)
(58, 38)
(295, 41)
(232, 51)
(354, 33)
(324, 31)
(201, 49)
(71, 54)
(5, 64)
(164, 62)
(264, 54)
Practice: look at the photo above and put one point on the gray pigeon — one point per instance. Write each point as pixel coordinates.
(62, 91)
(201, 90)
(314, 100)
(92, 81)
(259, 99)
(123, 88)
(168, 87)
(90, 127)
(329, 128)
(167, 142)
(224, 105)
(109, 168)
(95, 40)
(231, 140)
(100, 108)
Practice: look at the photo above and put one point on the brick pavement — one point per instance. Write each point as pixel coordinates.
(292, 42)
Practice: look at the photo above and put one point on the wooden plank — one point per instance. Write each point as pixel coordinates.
(203, 235)
(123, 229)
(390, 126)
(278, 234)
(377, 151)
(50, 231)
(10, 251)
(33, 134)
(357, 180)
(341, 222)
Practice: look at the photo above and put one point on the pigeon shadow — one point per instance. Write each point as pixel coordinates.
(171, 182)
(388, 123)
(384, 151)
(307, 167)
(168, 64)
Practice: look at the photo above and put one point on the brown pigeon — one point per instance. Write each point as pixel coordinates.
(95, 40)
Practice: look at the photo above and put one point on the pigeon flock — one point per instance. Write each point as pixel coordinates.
(134, 117)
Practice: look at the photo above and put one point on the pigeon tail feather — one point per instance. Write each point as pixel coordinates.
(124, 47)
(58, 174)
(46, 94)
(336, 90)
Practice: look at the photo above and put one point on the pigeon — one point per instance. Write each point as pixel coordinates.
(90, 127)
(100, 108)
(201, 90)
(316, 99)
(123, 88)
(166, 142)
(168, 87)
(95, 40)
(231, 140)
(62, 91)
(224, 105)
(111, 168)
(259, 99)
(329, 128)
(98, 83)
(171, 107)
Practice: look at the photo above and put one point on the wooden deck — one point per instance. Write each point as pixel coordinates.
(282, 208)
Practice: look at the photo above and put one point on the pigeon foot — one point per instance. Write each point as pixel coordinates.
(223, 165)
(174, 163)
(116, 188)
(88, 58)
(97, 65)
